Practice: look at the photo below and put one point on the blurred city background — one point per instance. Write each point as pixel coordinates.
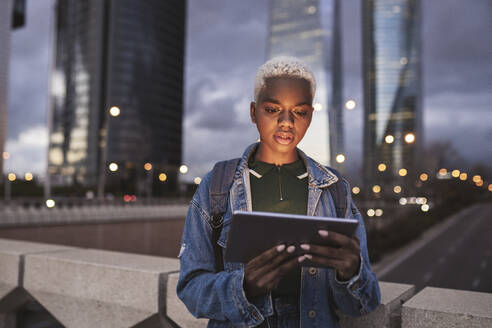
(112, 111)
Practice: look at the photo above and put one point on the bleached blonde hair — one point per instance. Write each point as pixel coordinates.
(283, 66)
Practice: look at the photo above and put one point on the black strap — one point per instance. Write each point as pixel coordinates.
(220, 184)
(338, 193)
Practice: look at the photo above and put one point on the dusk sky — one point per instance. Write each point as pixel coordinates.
(226, 42)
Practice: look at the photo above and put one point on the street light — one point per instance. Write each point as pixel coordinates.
(350, 104)
(197, 180)
(402, 172)
(340, 158)
(5, 155)
(50, 203)
(397, 189)
(148, 166)
(455, 173)
(463, 176)
(183, 169)
(113, 167)
(389, 139)
(424, 177)
(409, 138)
(162, 177)
(114, 111)
(28, 176)
(382, 167)
(371, 212)
(355, 190)
(376, 189)
(12, 177)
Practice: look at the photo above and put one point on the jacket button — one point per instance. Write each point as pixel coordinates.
(312, 314)
(312, 271)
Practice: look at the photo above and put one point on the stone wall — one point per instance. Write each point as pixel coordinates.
(83, 287)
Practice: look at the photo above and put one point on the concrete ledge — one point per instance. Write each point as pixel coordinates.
(388, 313)
(94, 288)
(176, 310)
(12, 253)
(89, 214)
(440, 307)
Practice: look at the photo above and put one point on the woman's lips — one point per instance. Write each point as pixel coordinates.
(284, 138)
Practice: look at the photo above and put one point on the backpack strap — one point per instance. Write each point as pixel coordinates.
(220, 184)
(338, 193)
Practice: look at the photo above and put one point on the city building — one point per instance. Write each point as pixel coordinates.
(310, 30)
(117, 95)
(12, 15)
(392, 89)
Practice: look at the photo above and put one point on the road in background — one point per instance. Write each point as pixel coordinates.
(459, 257)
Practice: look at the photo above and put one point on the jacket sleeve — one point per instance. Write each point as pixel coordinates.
(360, 294)
(207, 294)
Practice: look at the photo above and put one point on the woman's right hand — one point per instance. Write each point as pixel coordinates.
(263, 273)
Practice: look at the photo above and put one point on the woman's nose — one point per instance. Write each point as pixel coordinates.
(286, 118)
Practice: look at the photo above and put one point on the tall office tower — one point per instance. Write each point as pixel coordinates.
(117, 95)
(306, 29)
(392, 87)
(12, 13)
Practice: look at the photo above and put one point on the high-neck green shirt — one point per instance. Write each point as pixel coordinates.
(281, 189)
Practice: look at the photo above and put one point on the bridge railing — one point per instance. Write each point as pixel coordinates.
(84, 287)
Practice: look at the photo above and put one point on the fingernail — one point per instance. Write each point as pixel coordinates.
(301, 258)
(309, 256)
(305, 247)
(291, 248)
(323, 233)
(280, 248)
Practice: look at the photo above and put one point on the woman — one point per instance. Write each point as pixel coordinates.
(273, 289)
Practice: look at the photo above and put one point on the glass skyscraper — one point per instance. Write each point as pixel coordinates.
(305, 29)
(392, 87)
(117, 94)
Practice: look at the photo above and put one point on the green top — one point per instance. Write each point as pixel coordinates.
(281, 189)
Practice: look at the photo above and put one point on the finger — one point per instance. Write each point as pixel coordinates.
(278, 272)
(325, 251)
(266, 256)
(256, 272)
(327, 262)
(341, 240)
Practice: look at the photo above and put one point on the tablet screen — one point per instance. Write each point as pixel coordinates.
(252, 233)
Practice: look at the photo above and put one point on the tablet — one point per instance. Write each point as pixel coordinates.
(252, 233)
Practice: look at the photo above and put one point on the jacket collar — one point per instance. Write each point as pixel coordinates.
(319, 175)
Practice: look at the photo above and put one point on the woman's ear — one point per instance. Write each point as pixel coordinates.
(252, 111)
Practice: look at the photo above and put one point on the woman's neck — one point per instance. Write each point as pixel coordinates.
(266, 155)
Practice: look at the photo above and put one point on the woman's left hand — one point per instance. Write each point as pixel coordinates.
(344, 257)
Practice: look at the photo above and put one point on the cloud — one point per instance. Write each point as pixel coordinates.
(29, 69)
(28, 151)
(457, 46)
(226, 42)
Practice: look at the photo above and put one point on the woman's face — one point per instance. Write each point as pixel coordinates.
(282, 116)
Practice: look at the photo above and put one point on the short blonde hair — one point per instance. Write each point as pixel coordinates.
(283, 66)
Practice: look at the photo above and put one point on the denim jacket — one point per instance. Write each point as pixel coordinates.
(220, 296)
